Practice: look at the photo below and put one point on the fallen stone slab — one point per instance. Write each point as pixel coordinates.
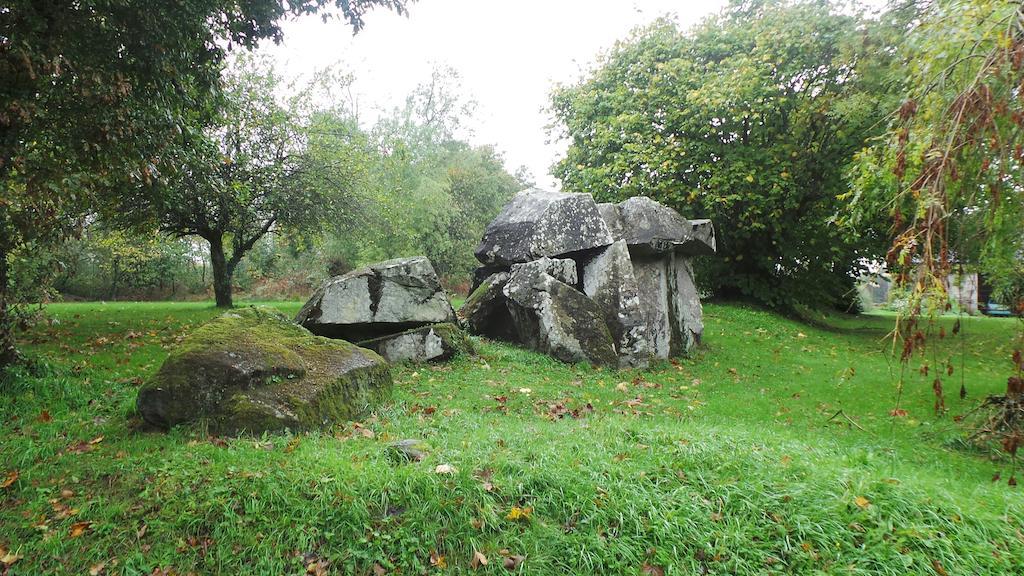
(433, 343)
(252, 370)
(609, 281)
(378, 300)
(539, 223)
(554, 318)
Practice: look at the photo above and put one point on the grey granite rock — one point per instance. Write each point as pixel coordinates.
(540, 223)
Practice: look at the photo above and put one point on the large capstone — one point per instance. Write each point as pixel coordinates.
(378, 300)
(252, 370)
(538, 223)
(609, 281)
(649, 227)
(432, 343)
(554, 318)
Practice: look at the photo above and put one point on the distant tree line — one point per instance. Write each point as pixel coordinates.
(280, 192)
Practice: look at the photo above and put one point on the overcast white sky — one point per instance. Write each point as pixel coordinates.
(509, 55)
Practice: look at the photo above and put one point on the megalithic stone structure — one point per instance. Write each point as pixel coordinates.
(632, 261)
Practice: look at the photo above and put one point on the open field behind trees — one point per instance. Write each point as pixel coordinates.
(724, 464)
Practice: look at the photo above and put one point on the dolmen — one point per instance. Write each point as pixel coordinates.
(610, 284)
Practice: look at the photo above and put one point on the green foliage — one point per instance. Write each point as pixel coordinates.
(428, 192)
(729, 472)
(262, 166)
(748, 119)
(95, 92)
(112, 264)
(947, 169)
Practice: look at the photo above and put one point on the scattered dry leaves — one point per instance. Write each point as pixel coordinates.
(445, 469)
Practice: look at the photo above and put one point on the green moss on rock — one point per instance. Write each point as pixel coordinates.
(253, 370)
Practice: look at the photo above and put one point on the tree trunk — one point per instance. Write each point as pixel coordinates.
(222, 271)
(8, 352)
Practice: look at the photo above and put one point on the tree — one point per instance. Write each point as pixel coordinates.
(948, 172)
(263, 166)
(93, 93)
(432, 192)
(748, 119)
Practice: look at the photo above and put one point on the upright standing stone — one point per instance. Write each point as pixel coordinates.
(652, 280)
(609, 281)
(686, 313)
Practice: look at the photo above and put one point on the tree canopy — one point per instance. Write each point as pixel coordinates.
(748, 119)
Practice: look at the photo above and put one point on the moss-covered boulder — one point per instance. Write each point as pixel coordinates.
(252, 370)
(433, 343)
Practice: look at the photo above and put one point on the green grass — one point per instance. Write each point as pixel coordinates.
(727, 463)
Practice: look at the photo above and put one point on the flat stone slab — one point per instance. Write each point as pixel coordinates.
(539, 223)
(252, 370)
(378, 300)
(433, 343)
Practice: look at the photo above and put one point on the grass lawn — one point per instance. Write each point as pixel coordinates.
(727, 463)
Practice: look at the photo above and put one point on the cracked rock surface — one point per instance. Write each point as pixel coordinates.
(538, 223)
(378, 300)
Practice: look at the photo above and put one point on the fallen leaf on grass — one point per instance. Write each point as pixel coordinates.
(898, 413)
(862, 502)
(44, 416)
(518, 514)
(9, 479)
(652, 570)
(438, 560)
(317, 568)
(478, 560)
(79, 528)
(445, 469)
(513, 562)
(7, 558)
(379, 570)
(97, 569)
